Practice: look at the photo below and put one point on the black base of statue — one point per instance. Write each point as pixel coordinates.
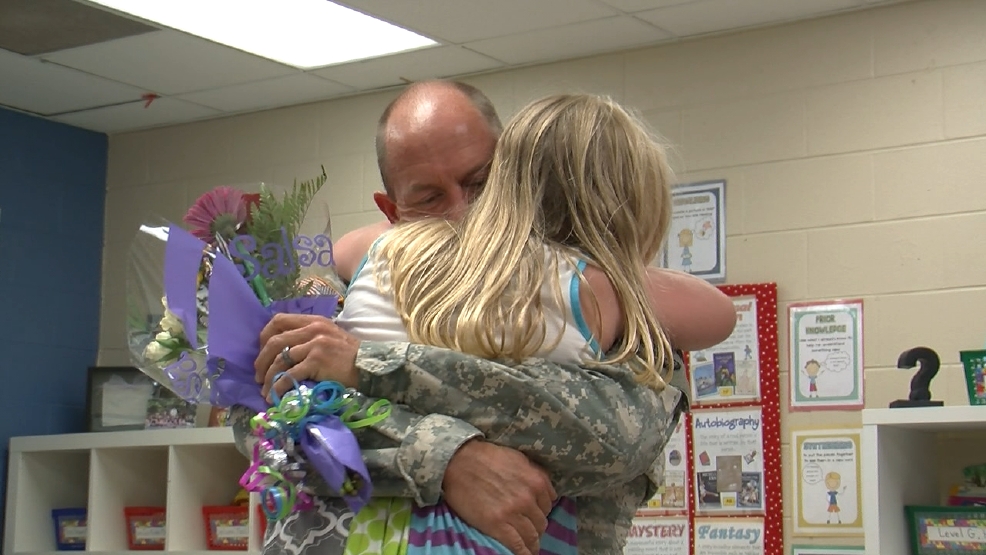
(907, 404)
(928, 362)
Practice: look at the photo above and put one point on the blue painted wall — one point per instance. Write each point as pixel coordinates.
(52, 192)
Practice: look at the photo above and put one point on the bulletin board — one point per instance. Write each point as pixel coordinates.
(725, 454)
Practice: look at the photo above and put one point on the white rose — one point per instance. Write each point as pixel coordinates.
(163, 337)
(155, 351)
(171, 324)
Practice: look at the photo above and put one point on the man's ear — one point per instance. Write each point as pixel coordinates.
(387, 206)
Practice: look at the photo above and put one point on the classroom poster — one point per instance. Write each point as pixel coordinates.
(827, 494)
(728, 461)
(730, 371)
(655, 535)
(697, 239)
(729, 536)
(826, 352)
(673, 495)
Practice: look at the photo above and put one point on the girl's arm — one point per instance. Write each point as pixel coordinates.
(694, 313)
(349, 250)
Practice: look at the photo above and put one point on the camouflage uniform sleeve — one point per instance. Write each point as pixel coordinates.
(591, 428)
(405, 454)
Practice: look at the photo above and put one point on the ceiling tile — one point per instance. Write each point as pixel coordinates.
(269, 93)
(570, 41)
(36, 26)
(34, 86)
(707, 16)
(131, 116)
(631, 6)
(427, 63)
(460, 21)
(169, 62)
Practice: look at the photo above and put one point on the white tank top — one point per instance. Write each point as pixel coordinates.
(369, 314)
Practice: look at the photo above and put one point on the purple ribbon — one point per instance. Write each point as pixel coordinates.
(236, 319)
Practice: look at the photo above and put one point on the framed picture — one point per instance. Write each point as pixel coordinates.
(946, 530)
(116, 398)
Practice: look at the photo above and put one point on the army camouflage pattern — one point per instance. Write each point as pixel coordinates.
(597, 432)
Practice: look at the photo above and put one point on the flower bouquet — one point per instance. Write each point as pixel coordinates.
(242, 259)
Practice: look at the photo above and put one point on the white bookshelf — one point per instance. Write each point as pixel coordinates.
(181, 470)
(909, 457)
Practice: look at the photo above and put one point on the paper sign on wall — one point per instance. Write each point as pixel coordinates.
(828, 497)
(673, 495)
(728, 453)
(697, 238)
(730, 371)
(729, 536)
(658, 536)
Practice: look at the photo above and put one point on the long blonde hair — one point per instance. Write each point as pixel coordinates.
(576, 172)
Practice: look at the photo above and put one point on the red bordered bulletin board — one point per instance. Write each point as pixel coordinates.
(767, 400)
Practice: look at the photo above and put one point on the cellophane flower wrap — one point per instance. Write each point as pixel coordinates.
(241, 259)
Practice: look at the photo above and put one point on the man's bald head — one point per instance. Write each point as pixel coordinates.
(430, 108)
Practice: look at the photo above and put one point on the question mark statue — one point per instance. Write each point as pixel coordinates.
(928, 362)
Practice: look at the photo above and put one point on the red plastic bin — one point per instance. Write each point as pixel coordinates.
(227, 528)
(146, 528)
(263, 523)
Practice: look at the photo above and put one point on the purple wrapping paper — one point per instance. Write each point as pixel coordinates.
(182, 257)
(236, 318)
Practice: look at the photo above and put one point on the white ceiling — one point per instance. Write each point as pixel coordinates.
(100, 86)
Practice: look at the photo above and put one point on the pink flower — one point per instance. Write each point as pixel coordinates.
(220, 212)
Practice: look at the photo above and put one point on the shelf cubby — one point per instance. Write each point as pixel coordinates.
(181, 470)
(909, 457)
(123, 477)
(39, 482)
(200, 475)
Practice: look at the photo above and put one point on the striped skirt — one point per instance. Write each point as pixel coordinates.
(397, 527)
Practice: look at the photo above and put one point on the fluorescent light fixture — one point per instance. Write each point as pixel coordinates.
(301, 33)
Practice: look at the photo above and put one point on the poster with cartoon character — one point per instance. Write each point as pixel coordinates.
(672, 497)
(728, 461)
(697, 238)
(826, 355)
(730, 371)
(828, 498)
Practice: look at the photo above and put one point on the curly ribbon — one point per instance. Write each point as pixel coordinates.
(236, 318)
(284, 426)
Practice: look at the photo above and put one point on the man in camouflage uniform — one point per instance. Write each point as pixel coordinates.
(595, 431)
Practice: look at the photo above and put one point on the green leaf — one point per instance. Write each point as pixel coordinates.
(286, 213)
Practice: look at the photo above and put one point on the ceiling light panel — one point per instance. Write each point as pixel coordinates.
(304, 34)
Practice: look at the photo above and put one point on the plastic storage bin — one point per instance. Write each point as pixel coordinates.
(227, 528)
(70, 528)
(145, 527)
